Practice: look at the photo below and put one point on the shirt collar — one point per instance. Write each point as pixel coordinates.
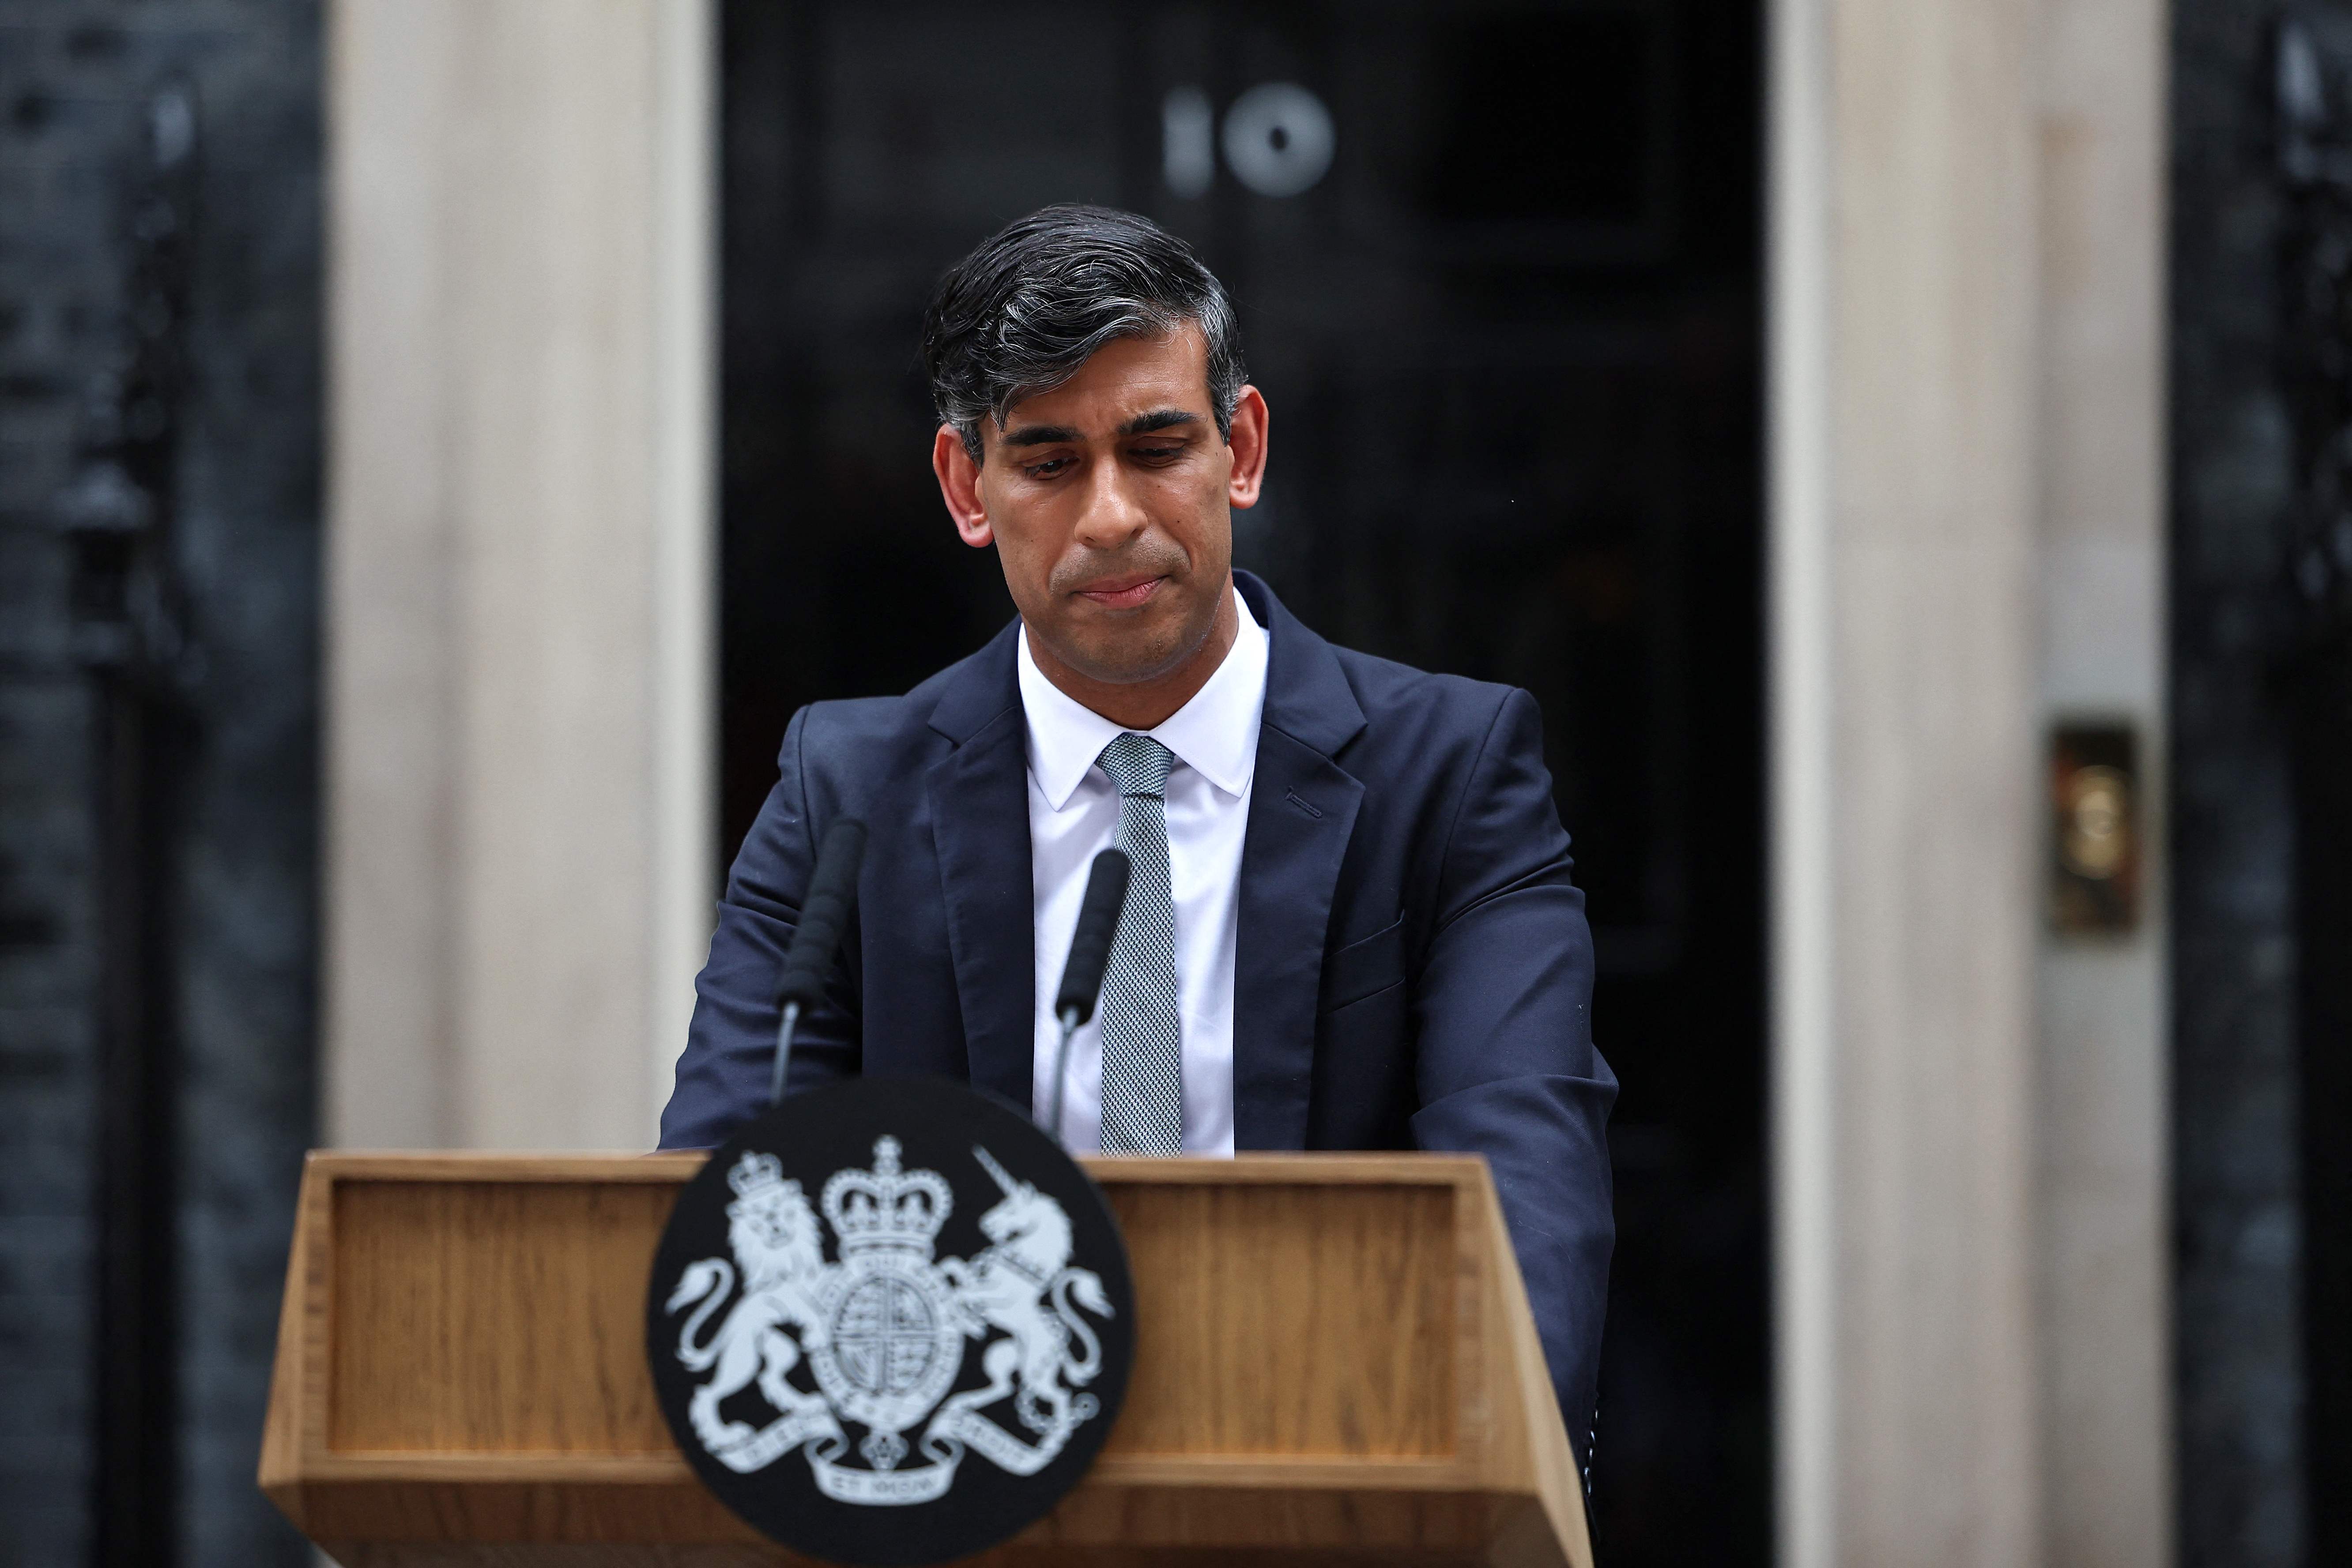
(1216, 733)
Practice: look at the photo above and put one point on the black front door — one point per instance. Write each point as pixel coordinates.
(1497, 273)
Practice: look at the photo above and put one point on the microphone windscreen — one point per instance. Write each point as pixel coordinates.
(832, 891)
(1082, 978)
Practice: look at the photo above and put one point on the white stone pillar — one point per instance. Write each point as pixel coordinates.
(2103, 1124)
(520, 565)
(1903, 311)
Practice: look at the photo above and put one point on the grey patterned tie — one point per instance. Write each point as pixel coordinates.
(1142, 1040)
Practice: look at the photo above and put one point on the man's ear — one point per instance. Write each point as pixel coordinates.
(960, 487)
(1248, 442)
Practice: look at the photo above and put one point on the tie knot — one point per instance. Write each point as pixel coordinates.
(1137, 764)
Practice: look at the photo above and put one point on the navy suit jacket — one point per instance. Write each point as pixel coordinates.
(1414, 969)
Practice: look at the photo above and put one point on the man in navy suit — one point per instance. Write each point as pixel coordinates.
(1351, 924)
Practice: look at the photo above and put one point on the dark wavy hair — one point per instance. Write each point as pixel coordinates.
(1039, 297)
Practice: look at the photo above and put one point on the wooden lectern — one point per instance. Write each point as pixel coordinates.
(1334, 1365)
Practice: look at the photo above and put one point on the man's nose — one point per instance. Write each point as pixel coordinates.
(1112, 514)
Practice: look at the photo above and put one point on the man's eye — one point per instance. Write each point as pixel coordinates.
(1159, 454)
(1046, 469)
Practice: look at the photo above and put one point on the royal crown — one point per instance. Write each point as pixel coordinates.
(761, 1189)
(886, 1207)
(754, 1171)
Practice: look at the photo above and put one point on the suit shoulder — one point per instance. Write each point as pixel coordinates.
(854, 720)
(854, 745)
(1465, 758)
(1429, 734)
(851, 722)
(1394, 694)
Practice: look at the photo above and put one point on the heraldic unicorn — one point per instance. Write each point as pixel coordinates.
(884, 1331)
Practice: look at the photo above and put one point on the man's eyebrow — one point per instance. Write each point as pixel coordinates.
(1141, 424)
(1158, 419)
(1039, 435)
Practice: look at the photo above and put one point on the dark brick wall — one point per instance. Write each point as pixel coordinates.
(240, 494)
(2235, 856)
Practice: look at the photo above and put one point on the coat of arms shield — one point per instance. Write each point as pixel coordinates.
(890, 1322)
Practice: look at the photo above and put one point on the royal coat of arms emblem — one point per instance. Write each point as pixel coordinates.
(883, 1370)
(884, 1330)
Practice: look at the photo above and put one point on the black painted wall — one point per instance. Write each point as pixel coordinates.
(159, 526)
(2261, 717)
(2312, 129)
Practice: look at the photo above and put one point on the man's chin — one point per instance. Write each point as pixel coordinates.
(1124, 669)
(1132, 654)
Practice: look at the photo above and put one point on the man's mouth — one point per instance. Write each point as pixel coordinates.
(1123, 593)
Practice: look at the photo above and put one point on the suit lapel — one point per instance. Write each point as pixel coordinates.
(1302, 811)
(1302, 814)
(978, 808)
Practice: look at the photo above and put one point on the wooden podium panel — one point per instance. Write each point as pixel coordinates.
(1334, 1363)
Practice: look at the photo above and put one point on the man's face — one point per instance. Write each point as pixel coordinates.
(1108, 499)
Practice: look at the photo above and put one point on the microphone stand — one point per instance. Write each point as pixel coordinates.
(1070, 1022)
(785, 1052)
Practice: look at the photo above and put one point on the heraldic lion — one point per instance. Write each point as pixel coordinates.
(772, 1232)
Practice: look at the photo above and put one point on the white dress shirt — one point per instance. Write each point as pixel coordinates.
(1073, 816)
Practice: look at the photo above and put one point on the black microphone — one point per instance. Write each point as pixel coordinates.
(1082, 976)
(832, 891)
